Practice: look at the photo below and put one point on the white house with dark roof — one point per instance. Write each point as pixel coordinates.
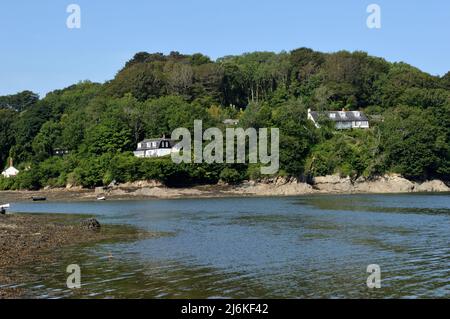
(156, 147)
(343, 119)
(11, 171)
(231, 122)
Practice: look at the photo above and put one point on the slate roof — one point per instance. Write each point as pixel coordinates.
(149, 140)
(230, 122)
(350, 116)
(158, 140)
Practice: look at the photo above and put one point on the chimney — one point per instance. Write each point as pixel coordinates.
(10, 162)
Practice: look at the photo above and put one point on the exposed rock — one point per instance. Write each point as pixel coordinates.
(163, 192)
(393, 183)
(112, 184)
(91, 224)
(277, 187)
(140, 184)
(118, 192)
(100, 190)
(333, 184)
(432, 186)
(277, 181)
(251, 183)
(222, 183)
(73, 187)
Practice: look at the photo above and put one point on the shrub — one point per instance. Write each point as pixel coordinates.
(230, 176)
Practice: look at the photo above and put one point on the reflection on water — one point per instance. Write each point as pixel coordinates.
(301, 247)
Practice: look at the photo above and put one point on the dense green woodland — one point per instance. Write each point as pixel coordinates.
(100, 124)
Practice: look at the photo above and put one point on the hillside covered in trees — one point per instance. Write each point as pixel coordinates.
(100, 124)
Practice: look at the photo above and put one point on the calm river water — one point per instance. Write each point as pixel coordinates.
(297, 247)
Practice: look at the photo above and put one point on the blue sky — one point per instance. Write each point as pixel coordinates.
(38, 52)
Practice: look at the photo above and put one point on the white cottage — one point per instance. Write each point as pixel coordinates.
(157, 147)
(11, 171)
(343, 119)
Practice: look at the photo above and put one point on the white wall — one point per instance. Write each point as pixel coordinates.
(155, 153)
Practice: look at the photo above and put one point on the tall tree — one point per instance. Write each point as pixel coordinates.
(20, 101)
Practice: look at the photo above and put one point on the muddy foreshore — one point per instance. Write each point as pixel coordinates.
(31, 239)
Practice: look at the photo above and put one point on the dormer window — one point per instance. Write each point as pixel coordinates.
(343, 119)
(155, 147)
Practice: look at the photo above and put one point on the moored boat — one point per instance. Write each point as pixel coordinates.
(38, 199)
(3, 209)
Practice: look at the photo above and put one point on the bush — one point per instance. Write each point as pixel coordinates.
(29, 179)
(6, 183)
(230, 176)
(347, 154)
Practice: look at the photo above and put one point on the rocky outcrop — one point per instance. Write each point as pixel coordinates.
(385, 184)
(164, 192)
(279, 186)
(333, 184)
(90, 224)
(432, 186)
(282, 186)
(139, 184)
(73, 187)
(392, 183)
(125, 188)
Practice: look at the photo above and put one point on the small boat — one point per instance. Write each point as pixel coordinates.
(3, 209)
(101, 198)
(38, 199)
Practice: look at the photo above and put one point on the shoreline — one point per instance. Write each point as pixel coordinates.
(38, 238)
(276, 187)
(32, 239)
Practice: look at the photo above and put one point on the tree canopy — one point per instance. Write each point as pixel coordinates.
(100, 124)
